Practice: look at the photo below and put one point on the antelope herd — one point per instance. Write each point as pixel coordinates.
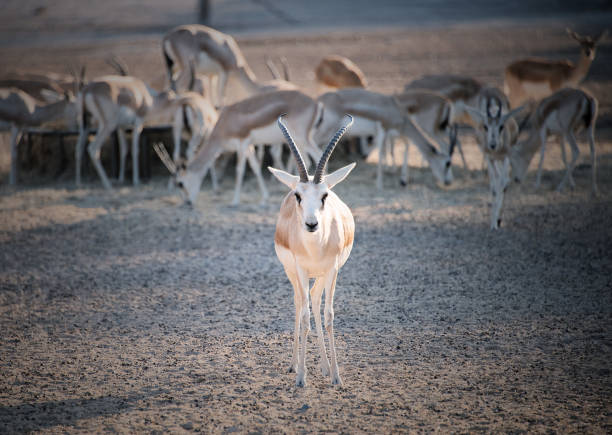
(215, 98)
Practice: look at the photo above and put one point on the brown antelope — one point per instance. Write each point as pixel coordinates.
(385, 116)
(313, 239)
(20, 110)
(117, 103)
(499, 134)
(239, 127)
(338, 72)
(563, 113)
(215, 55)
(538, 78)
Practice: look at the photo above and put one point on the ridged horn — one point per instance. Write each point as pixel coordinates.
(318, 176)
(294, 150)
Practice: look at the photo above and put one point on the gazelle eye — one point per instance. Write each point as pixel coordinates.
(180, 185)
(298, 197)
(501, 128)
(323, 198)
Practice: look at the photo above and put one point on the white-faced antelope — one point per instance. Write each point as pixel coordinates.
(536, 78)
(499, 134)
(313, 239)
(563, 113)
(239, 127)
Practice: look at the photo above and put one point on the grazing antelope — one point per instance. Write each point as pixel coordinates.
(384, 116)
(117, 103)
(499, 134)
(538, 78)
(215, 55)
(463, 91)
(338, 72)
(21, 110)
(564, 113)
(47, 88)
(239, 127)
(313, 239)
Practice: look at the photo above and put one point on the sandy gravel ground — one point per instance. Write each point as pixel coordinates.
(125, 312)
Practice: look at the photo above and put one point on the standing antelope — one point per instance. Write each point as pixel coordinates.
(117, 103)
(216, 55)
(564, 113)
(384, 116)
(313, 239)
(538, 78)
(499, 135)
(239, 127)
(20, 110)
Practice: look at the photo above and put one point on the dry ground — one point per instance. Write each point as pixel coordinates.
(125, 312)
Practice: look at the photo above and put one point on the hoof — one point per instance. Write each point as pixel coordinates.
(300, 383)
(325, 370)
(337, 381)
(292, 369)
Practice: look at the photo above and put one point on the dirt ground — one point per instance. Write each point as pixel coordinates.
(126, 312)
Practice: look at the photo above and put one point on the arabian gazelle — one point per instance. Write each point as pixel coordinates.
(564, 113)
(534, 79)
(313, 239)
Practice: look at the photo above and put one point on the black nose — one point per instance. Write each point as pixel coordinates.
(447, 182)
(188, 203)
(516, 180)
(493, 146)
(311, 227)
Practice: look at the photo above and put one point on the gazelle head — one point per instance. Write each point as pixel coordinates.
(587, 43)
(311, 192)
(187, 183)
(492, 126)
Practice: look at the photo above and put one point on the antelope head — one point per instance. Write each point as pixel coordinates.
(587, 43)
(492, 127)
(187, 183)
(311, 192)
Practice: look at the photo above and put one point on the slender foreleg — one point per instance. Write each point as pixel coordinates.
(137, 129)
(240, 166)
(256, 168)
(302, 279)
(575, 153)
(591, 134)
(330, 286)
(123, 149)
(16, 134)
(315, 295)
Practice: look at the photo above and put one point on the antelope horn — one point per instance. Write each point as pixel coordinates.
(294, 150)
(512, 113)
(161, 151)
(318, 176)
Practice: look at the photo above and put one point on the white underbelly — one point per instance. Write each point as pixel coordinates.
(537, 89)
(270, 134)
(362, 127)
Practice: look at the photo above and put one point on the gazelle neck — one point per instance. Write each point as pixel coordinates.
(581, 69)
(245, 78)
(49, 112)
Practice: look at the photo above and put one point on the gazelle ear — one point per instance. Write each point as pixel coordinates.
(337, 176)
(291, 181)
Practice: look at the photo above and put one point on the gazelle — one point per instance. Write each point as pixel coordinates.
(21, 110)
(117, 103)
(499, 135)
(538, 78)
(338, 72)
(239, 127)
(313, 239)
(382, 115)
(564, 113)
(463, 91)
(216, 55)
(47, 88)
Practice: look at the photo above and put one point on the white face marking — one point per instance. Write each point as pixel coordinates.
(188, 184)
(310, 202)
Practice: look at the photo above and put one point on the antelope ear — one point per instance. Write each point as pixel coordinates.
(291, 181)
(337, 176)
